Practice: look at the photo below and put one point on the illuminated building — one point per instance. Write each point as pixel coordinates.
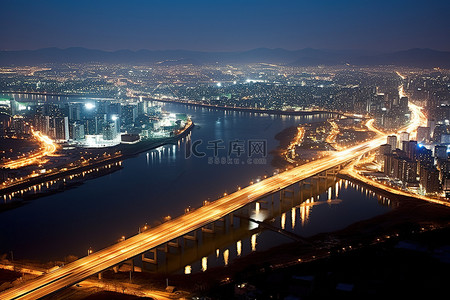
(429, 182)
(109, 132)
(78, 131)
(440, 152)
(383, 151)
(392, 140)
(423, 134)
(411, 149)
(404, 136)
(61, 128)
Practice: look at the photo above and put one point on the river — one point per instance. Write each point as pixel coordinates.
(164, 182)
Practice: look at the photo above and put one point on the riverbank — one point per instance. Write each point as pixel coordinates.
(123, 151)
(192, 103)
(292, 152)
(245, 109)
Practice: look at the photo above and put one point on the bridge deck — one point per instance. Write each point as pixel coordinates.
(143, 242)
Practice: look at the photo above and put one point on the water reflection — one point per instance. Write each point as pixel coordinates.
(293, 217)
(187, 269)
(253, 241)
(239, 248)
(226, 255)
(204, 264)
(338, 213)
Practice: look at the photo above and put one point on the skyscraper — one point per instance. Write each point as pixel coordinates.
(61, 128)
(423, 134)
(392, 140)
(440, 152)
(404, 136)
(411, 150)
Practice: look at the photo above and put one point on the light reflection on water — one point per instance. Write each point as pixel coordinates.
(163, 182)
(314, 210)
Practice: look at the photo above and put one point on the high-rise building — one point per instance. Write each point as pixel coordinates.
(75, 111)
(445, 139)
(42, 123)
(109, 131)
(404, 136)
(410, 171)
(51, 109)
(382, 151)
(385, 149)
(404, 102)
(14, 105)
(61, 128)
(424, 154)
(129, 114)
(423, 134)
(388, 166)
(429, 181)
(431, 123)
(411, 150)
(392, 140)
(440, 152)
(142, 107)
(439, 131)
(78, 131)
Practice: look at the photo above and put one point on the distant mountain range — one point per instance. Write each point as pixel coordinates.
(424, 58)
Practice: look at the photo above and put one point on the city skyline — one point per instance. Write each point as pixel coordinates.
(226, 26)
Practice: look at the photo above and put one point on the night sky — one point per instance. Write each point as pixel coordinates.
(225, 25)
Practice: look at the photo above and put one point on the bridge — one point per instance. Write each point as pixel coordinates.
(142, 243)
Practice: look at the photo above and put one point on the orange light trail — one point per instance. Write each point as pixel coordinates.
(48, 147)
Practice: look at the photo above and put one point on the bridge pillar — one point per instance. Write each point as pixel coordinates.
(272, 204)
(174, 244)
(151, 260)
(132, 264)
(220, 224)
(100, 275)
(286, 194)
(231, 220)
(259, 205)
(211, 229)
(192, 237)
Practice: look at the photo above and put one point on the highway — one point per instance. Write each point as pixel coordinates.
(350, 171)
(48, 147)
(145, 241)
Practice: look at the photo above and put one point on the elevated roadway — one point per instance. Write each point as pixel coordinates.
(168, 231)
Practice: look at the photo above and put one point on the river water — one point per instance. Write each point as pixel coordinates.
(164, 182)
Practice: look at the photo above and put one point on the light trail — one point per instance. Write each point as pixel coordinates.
(183, 225)
(48, 147)
(331, 138)
(350, 171)
(296, 142)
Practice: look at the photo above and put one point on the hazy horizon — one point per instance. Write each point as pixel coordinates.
(225, 26)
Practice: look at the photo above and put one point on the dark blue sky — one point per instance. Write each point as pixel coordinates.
(225, 25)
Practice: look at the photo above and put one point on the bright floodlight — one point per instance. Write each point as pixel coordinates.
(219, 84)
(114, 117)
(89, 105)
